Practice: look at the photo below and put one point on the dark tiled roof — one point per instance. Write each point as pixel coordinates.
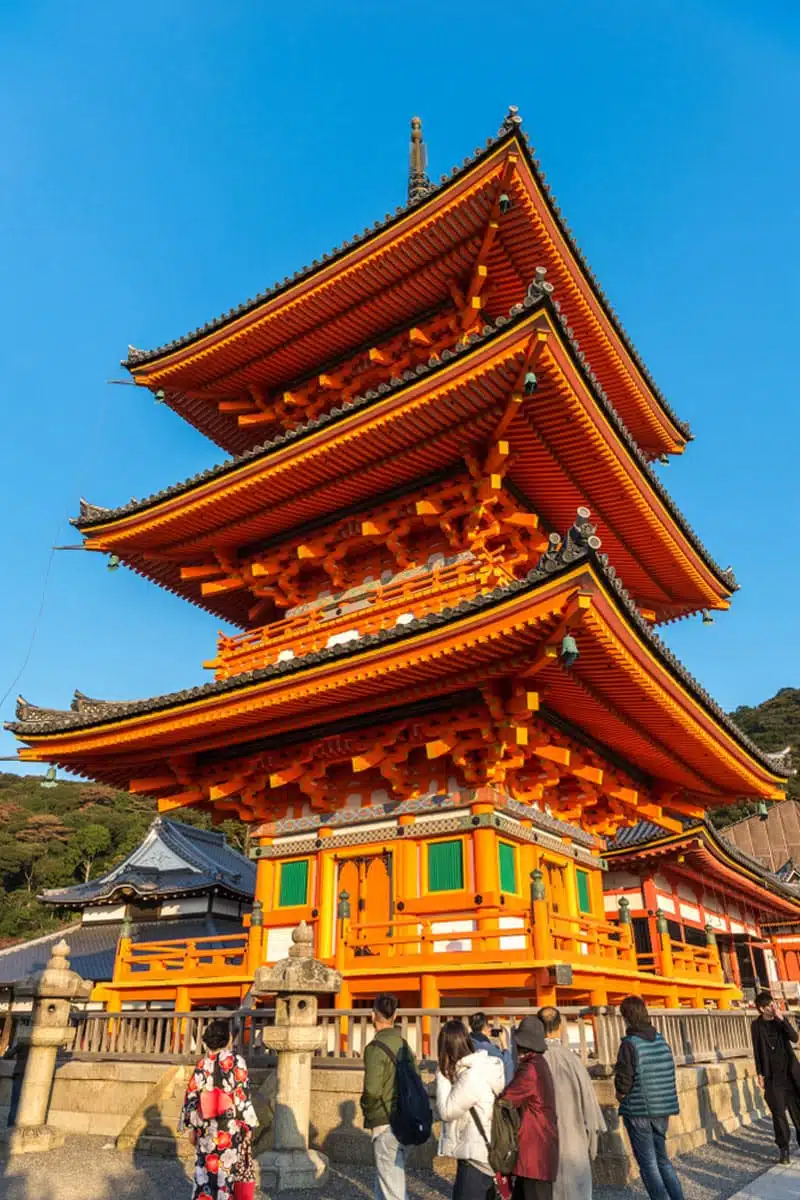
(210, 863)
(509, 130)
(572, 551)
(93, 947)
(538, 297)
(638, 837)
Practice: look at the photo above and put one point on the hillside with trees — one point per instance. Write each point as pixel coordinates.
(54, 836)
(774, 725)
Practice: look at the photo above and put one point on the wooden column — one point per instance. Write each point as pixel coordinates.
(651, 907)
(429, 995)
(542, 937)
(326, 898)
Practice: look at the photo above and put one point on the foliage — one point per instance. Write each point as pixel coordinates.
(62, 835)
(773, 725)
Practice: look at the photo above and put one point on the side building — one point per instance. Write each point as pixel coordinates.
(183, 889)
(694, 888)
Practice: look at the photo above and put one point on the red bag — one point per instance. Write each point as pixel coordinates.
(244, 1191)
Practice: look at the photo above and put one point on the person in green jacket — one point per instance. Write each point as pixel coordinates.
(379, 1098)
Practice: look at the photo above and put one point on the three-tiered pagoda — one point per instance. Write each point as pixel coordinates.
(443, 696)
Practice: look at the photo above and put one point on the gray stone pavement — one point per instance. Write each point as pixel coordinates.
(92, 1169)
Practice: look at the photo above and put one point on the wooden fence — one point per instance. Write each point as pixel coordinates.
(695, 1035)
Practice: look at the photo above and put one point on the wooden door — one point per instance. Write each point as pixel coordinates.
(367, 878)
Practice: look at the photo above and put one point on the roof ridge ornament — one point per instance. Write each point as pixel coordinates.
(419, 185)
(512, 120)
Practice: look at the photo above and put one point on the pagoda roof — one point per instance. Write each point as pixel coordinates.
(173, 859)
(630, 690)
(388, 274)
(709, 855)
(344, 456)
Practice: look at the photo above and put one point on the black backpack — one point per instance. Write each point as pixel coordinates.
(412, 1120)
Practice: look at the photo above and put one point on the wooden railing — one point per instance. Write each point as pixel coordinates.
(477, 933)
(587, 936)
(188, 958)
(311, 631)
(694, 1035)
(686, 962)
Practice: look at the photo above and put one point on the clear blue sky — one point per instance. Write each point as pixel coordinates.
(161, 162)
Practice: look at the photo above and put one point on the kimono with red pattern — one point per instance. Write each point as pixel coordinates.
(223, 1143)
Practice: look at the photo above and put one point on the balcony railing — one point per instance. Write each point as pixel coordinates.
(182, 959)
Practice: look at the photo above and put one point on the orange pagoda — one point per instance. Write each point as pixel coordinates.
(442, 697)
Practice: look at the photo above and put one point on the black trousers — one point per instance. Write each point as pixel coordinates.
(532, 1189)
(471, 1184)
(781, 1096)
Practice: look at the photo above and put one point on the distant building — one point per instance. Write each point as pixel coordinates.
(774, 840)
(181, 883)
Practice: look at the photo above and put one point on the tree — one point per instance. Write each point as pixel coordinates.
(90, 842)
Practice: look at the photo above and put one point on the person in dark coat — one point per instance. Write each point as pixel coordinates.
(644, 1079)
(777, 1068)
(531, 1091)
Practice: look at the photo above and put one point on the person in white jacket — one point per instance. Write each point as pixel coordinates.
(467, 1083)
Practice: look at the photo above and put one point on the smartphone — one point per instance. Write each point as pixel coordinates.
(496, 1032)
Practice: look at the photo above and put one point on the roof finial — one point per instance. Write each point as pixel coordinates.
(418, 183)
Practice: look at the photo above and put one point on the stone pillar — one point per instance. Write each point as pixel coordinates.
(51, 992)
(296, 983)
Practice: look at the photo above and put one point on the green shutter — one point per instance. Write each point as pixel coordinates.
(445, 867)
(508, 867)
(584, 898)
(294, 883)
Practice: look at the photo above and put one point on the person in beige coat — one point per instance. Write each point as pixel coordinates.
(580, 1119)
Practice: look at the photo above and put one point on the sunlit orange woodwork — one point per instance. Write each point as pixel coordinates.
(441, 700)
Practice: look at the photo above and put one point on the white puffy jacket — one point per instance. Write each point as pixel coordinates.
(479, 1078)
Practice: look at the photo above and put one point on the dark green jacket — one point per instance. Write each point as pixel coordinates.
(379, 1097)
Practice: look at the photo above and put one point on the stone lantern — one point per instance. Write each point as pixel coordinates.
(52, 992)
(296, 982)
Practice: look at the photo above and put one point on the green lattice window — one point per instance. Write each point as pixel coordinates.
(294, 883)
(584, 894)
(445, 866)
(508, 867)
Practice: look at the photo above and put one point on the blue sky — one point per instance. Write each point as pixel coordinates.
(159, 164)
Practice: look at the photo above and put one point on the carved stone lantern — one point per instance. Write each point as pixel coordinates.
(296, 982)
(52, 992)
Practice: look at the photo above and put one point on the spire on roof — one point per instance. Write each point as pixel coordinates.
(418, 183)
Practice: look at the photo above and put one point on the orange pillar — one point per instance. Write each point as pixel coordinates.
(667, 967)
(542, 937)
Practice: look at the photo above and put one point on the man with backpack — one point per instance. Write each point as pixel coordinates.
(394, 1103)
(644, 1078)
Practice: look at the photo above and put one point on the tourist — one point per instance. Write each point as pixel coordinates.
(467, 1082)
(580, 1120)
(219, 1119)
(481, 1035)
(648, 1096)
(379, 1098)
(531, 1091)
(777, 1068)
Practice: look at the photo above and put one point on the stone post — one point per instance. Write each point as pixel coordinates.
(296, 983)
(41, 1034)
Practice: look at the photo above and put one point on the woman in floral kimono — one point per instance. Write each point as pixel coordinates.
(219, 1119)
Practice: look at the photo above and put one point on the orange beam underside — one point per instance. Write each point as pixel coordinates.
(564, 452)
(625, 697)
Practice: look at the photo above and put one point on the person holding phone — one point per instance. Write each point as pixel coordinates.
(778, 1069)
(492, 1039)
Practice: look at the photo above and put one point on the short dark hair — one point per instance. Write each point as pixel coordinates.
(634, 1011)
(385, 1005)
(217, 1034)
(550, 1018)
(763, 999)
(478, 1022)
